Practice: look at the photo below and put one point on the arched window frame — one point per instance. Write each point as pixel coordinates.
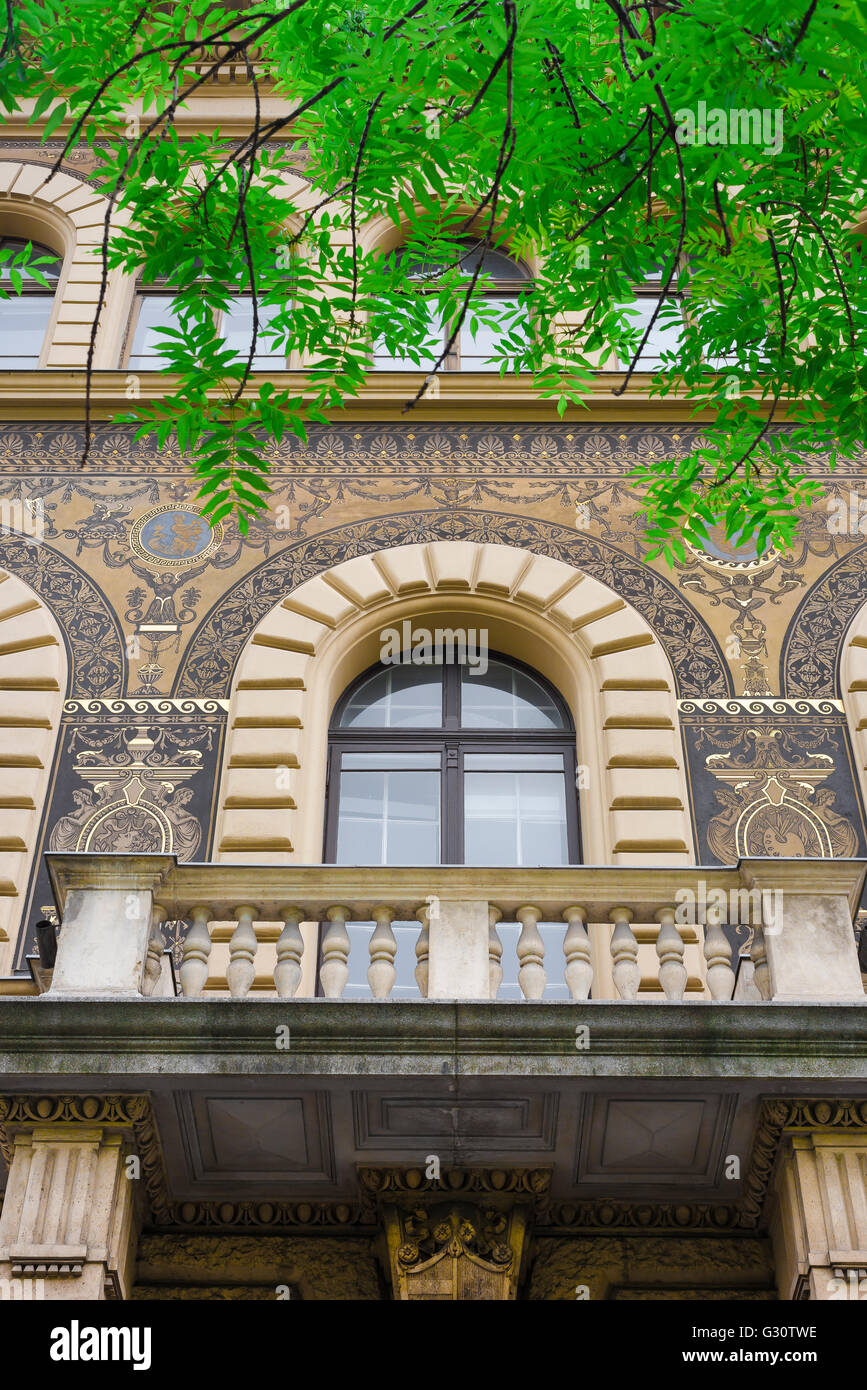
(454, 742)
(497, 287)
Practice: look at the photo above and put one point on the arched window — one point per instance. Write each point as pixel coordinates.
(477, 341)
(25, 314)
(153, 311)
(450, 763)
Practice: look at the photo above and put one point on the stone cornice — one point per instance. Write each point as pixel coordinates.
(58, 394)
(125, 1041)
(114, 871)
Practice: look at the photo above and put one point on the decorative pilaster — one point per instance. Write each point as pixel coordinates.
(819, 1213)
(71, 1213)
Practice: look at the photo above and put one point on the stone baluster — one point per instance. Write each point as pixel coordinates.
(422, 951)
(290, 949)
(669, 948)
(624, 953)
(576, 949)
(334, 971)
(718, 954)
(383, 949)
(495, 952)
(197, 951)
(531, 954)
(759, 958)
(242, 954)
(153, 965)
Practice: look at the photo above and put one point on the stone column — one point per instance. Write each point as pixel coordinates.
(107, 913)
(70, 1215)
(807, 906)
(819, 1215)
(459, 957)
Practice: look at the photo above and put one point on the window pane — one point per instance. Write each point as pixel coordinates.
(385, 360)
(496, 264)
(237, 333)
(386, 761)
(504, 698)
(478, 346)
(397, 697)
(513, 762)
(23, 321)
(389, 818)
(515, 818)
(665, 337)
(154, 312)
(50, 269)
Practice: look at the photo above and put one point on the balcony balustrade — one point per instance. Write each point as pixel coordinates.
(598, 933)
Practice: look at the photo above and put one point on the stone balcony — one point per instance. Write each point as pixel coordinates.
(598, 933)
(572, 1047)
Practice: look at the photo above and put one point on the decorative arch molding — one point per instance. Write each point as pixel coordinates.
(33, 677)
(853, 684)
(599, 652)
(813, 648)
(89, 627)
(699, 667)
(70, 215)
(384, 234)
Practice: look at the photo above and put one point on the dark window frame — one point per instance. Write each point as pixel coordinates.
(453, 743)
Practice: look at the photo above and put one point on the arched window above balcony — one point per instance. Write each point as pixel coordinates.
(478, 341)
(27, 300)
(450, 762)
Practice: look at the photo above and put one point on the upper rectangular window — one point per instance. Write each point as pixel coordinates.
(153, 312)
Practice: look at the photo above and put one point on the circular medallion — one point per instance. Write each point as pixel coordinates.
(729, 553)
(174, 536)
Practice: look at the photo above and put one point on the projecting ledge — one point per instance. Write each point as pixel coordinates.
(88, 1038)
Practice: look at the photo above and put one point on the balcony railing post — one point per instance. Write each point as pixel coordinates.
(107, 924)
(807, 933)
(197, 952)
(459, 965)
(495, 952)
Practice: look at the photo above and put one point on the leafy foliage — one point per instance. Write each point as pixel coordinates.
(716, 145)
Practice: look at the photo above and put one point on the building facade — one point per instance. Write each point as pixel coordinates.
(451, 903)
